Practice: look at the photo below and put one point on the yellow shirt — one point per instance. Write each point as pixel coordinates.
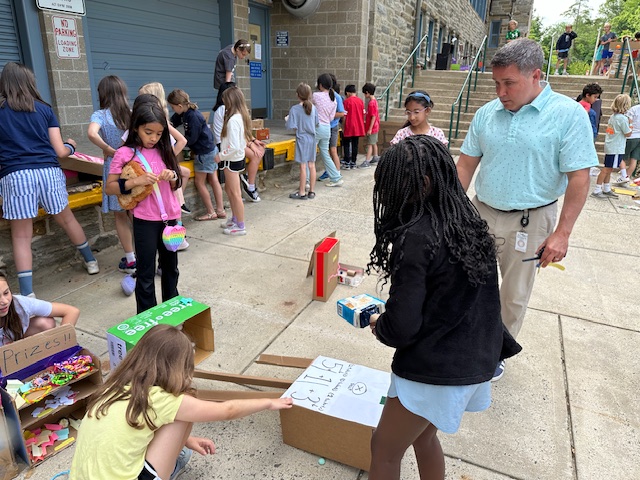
(109, 449)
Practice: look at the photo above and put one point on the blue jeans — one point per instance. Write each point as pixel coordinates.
(323, 134)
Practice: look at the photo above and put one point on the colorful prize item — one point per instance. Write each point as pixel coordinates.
(173, 236)
(59, 374)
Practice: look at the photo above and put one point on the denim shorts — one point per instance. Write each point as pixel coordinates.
(24, 191)
(205, 163)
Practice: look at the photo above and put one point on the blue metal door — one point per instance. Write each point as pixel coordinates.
(174, 43)
(9, 43)
(259, 61)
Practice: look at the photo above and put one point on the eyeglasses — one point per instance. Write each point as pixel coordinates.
(414, 112)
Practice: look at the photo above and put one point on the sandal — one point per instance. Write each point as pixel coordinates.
(207, 216)
(297, 196)
(311, 195)
(221, 214)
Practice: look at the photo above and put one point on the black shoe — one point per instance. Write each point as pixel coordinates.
(184, 209)
(253, 195)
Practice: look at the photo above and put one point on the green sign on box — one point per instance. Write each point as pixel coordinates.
(194, 317)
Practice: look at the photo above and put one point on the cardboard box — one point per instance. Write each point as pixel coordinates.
(325, 268)
(85, 164)
(257, 124)
(260, 133)
(336, 420)
(194, 317)
(350, 275)
(357, 310)
(20, 360)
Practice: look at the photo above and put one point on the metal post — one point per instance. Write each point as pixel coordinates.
(401, 85)
(620, 61)
(386, 108)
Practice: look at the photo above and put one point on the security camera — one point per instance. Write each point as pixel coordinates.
(301, 8)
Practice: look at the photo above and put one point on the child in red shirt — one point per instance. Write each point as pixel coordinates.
(353, 125)
(371, 125)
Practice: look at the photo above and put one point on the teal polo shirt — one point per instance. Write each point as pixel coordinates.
(526, 154)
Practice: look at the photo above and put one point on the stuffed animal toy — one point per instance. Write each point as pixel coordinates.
(128, 201)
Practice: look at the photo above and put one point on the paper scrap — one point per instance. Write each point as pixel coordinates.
(54, 427)
(68, 441)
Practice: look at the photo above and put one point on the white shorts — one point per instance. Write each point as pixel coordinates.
(24, 191)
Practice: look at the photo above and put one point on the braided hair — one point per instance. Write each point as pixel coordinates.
(417, 177)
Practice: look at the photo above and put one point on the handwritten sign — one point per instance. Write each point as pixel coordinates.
(341, 389)
(18, 355)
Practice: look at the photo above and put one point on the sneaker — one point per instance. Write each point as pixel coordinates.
(556, 72)
(323, 177)
(622, 180)
(184, 245)
(375, 160)
(364, 164)
(566, 73)
(32, 295)
(127, 267)
(337, 183)
(92, 267)
(228, 224)
(184, 209)
(128, 285)
(497, 375)
(352, 166)
(234, 231)
(611, 194)
(181, 463)
(252, 194)
(307, 187)
(598, 195)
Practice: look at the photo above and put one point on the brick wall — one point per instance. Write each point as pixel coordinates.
(333, 40)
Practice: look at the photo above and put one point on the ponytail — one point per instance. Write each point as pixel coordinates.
(304, 94)
(332, 95)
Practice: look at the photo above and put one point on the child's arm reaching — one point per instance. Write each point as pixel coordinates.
(195, 410)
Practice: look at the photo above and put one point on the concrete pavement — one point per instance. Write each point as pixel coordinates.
(566, 409)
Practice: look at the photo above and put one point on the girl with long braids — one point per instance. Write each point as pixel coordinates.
(443, 312)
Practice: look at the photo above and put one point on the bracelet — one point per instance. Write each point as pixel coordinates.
(71, 148)
(123, 189)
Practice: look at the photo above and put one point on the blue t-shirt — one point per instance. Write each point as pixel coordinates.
(339, 109)
(24, 139)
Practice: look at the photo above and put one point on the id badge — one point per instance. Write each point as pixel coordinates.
(521, 241)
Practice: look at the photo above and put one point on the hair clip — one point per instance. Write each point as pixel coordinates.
(420, 95)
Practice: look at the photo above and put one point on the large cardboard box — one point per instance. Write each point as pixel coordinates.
(260, 133)
(337, 405)
(194, 317)
(83, 163)
(29, 357)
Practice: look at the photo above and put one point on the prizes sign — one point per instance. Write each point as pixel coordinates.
(66, 37)
(341, 389)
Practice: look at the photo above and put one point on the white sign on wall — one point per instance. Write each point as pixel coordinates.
(65, 35)
(68, 6)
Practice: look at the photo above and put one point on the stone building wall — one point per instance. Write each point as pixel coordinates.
(333, 40)
(505, 10)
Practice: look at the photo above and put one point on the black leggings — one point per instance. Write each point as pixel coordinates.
(148, 243)
(350, 149)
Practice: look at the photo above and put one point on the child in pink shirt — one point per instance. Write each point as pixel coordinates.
(149, 137)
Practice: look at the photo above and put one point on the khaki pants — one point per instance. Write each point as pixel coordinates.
(517, 276)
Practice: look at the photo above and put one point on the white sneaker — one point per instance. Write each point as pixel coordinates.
(557, 73)
(622, 180)
(234, 231)
(598, 195)
(184, 245)
(92, 267)
(228, 224)
(337, 183)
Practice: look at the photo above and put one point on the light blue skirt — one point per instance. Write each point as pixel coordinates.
(442, 405)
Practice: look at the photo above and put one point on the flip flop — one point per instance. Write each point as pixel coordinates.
(206, 217)
(221, 214)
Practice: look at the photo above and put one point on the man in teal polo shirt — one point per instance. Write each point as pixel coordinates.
(533, 145)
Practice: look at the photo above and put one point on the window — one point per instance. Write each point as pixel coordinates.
(430, 39)
(440, 32)
(480, 6)
(494, 34)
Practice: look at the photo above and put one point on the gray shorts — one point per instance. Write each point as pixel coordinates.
(23, 191)
(633, 149)
(333, 140)
(371, 139)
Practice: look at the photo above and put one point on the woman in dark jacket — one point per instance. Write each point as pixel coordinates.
(443, 312)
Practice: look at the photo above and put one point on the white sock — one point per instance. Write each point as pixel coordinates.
(130, 256)
(607, 187)
(252, 187)
(598, 189)
(623, 172)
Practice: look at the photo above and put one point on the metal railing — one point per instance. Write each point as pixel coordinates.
(550, 57)
(475, 66)
(633, 84)
(387, 91)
